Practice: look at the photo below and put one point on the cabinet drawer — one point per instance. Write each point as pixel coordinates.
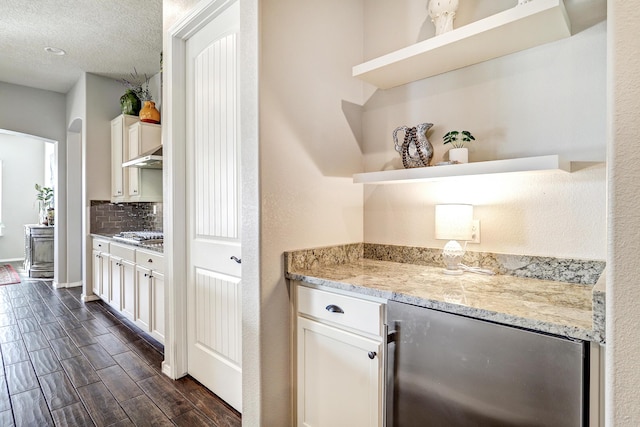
(152, 261)
(101, 245)
(125, 252)
(355, 313)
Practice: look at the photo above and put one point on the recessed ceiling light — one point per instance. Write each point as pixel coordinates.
(54, 51)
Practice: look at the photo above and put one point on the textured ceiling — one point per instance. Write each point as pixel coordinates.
(104, 37)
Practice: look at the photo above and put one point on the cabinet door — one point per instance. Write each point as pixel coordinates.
(133, 147)
(339, 377)
(117, 183)
(128, 289)
(97, 273)
(105, 281)
(143, 298)
(157, 306)
(115, 271)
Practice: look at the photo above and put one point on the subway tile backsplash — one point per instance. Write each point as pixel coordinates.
(111, 218)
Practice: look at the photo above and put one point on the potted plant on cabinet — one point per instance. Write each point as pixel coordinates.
(44, 195)
(459, 153)
(140, 88)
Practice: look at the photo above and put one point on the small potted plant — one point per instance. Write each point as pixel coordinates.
(44, 195)
(459, 153)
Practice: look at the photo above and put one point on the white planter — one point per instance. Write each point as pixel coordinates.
(460, 155)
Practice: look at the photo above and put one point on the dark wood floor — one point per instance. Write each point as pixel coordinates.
(67, 363)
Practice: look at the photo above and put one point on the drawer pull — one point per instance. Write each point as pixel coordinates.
(372, 355)
(236, 259)
(334, 309)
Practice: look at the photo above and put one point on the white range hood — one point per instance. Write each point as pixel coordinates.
(151, 159)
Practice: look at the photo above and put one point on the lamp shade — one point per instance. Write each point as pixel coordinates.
(454, 222)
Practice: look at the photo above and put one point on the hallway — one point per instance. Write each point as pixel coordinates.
(66, 363)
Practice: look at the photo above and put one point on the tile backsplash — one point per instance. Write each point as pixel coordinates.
(111, 218)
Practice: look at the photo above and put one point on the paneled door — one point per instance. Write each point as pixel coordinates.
(213, 208)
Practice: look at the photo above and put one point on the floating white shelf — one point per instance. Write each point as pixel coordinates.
(526, 164)
(519, 28)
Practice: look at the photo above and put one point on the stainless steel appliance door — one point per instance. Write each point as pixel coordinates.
(449, 370)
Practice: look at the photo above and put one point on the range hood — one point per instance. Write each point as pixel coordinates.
(151, 159)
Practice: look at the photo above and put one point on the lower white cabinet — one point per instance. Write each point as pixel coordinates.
(143, 298)
(339, 360)
(150, 302)
(131, 280)
(128, 269)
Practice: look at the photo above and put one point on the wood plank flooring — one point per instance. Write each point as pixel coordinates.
(67, 363)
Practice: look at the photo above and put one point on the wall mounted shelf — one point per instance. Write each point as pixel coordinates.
(521, 27)
(433, 173)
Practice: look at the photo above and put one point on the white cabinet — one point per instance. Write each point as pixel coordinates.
(121, 269)
(150, 293)
(144, 184)
(339, 360)
(132, 184)
(131, 280)
(143, 298)
(128, 289)
(119, 146)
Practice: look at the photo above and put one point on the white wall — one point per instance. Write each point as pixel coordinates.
(19, 105)
(22, 167)
(309, 131)
(623, 293)
(91, 105)
(545, 100)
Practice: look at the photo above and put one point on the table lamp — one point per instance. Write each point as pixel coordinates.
(453, 223)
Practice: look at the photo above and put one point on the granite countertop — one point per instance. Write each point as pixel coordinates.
(135, 245)
(560, 308)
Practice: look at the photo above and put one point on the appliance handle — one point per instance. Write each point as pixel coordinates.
(390, 372)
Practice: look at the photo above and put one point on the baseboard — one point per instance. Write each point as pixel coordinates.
(12, 260)
(87, 298)
(166, 369)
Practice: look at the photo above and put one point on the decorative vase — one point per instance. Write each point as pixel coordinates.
(149, 113)
(416, 150)
(460, 155)
(129, 103)
(442, 13)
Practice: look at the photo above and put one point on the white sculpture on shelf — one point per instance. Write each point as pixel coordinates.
(442, 13)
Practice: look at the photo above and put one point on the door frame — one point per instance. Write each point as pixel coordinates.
(175, 364)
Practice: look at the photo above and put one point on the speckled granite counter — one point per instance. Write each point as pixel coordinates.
(555, 307)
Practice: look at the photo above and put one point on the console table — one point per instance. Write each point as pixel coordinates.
(38, 251)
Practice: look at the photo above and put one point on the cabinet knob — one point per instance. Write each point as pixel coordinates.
(372, 355)
(334, 309)
(146, 275)
(149, 260)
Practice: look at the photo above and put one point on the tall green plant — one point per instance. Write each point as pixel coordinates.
(44, 195)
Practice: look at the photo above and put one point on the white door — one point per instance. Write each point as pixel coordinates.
(213, 208)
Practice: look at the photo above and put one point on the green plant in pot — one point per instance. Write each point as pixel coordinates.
(459, 153)
(137, 92)
(44, 196)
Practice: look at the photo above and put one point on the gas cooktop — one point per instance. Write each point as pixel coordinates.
(148, 238)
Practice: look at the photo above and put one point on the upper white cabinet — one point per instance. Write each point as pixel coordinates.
(119, 145)
(129, 138)
(521, 27)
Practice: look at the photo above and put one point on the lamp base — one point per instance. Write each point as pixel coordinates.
(452, 256)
